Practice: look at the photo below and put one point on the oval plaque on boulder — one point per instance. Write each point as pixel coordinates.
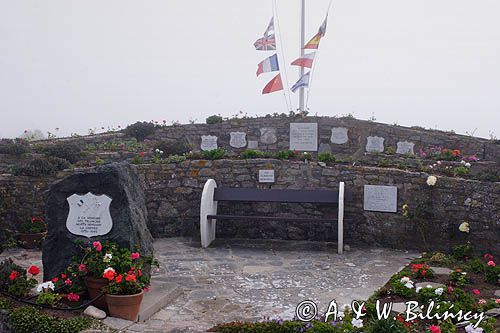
(89, 215)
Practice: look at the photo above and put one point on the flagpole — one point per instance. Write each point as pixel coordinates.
(302, 42)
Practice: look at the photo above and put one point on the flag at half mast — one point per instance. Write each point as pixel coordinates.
(268, 42)
(269, 64)
(305, 61)
(274, 85)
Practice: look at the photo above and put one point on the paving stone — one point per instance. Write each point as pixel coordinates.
(493, 312)
(117, 323)
(431, 284)
(497, 293)
(441, 270)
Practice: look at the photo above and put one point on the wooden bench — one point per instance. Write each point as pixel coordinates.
(212, 194)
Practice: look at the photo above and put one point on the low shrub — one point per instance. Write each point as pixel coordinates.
(14, 147)
(215, 119)
(460, 252)
(28, 319)
(140, 130)
(426, 295)
(387, 326)
(286, 155)
(461, 171)
(175, 159)
(70, 151)
(492, 274)
(41, 166)
(250, 153)
(214, 154)
(326, 157)
(458, 278)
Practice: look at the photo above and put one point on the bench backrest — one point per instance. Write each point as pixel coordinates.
(276, 195)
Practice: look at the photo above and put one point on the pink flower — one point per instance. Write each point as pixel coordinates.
(450, 289)
(73, 297)
(435, 329)
(491, 263)
(68, 282)
(482, 301)
(148, 288)
(476, 292)
(497, 301)
(135, 255)
(97, 246)
(82, 268)
(488, 257)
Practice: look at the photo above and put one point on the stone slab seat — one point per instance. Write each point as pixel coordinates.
(211, 195)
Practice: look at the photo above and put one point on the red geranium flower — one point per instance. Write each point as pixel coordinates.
(63, 276)
(55, 279)
(33, 270)
(109, 274)
(97, 246)
(135, 255)
(142, 154)
(131, 277)
(488, 257)
(14, 275)
(119, 278)
(73, 297)
(82, 268)
(68, 282)
(476, 292)
(435, 329)
(491, 263)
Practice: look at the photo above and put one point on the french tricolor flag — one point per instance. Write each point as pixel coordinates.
(305, 61)
(268, 65)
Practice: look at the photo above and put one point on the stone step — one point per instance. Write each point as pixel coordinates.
(427, 284)
(161, 294)
(441, 270)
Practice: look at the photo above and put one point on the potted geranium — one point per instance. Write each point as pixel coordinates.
(127, 282)
(71, 286)
(32, 233)
(16, 280)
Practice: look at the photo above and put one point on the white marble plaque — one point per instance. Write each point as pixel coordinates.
(266, 176)
(374, 144)
(381, 198)
(238, 139)
(208, 142)
(405, 147)
(339, 135)
(89, 215)
(253, 144)
(268, 135)
(304, 136)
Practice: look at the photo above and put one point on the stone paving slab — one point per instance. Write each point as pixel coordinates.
(254, 279)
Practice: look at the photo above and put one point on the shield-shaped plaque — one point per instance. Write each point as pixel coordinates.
(208, 142)
(89, 215)
(238, 139)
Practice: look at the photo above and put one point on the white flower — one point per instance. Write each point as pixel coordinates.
(157, 150)
(109, 269)
(357, 323)
(46, 285)
(464, 227)
(107, 257)
(418, 289)
(439, 162)
(409, 285)
(161, 152)
(468, 165)
(438, 291)
(462, 161)
(428, 286)
(405, 279)
(470, 329)
(431, 180)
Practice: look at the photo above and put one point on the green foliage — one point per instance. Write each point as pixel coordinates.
(70, 151)
(386, 326)
(286, 155)
(140, 130)
(390, 150)
(460, 171)
(41, 167)
(326, 157)
(214, 154)
(137, 160)
(175, 159)
(34, 226)
(399, 287)
(13, 279)
(14, 147)
(492, 274)
(460, 252)
(99, 161)
(458, 278)
(441, 258)
(5, 304)
(178, 147)
(277, 326)
(215, 119)
(28, 320)
(48, 298)
(250, 153)
(476, 265)
(426, 295)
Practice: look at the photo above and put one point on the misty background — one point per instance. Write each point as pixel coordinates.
(80, 65)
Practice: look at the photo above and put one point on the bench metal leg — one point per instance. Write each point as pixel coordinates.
(207, 207)
(340, 228)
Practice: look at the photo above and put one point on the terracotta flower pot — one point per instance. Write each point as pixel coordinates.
(31, 241)
(94, 287)
(124, 306)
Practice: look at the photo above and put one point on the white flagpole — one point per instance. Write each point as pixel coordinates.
(302, 42)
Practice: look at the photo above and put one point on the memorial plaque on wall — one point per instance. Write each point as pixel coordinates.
(374, 144)
(208, 142)
(304, 136)
(339, 135)
(266, 176)
(89, 215)
(268, 135)
(238, 139)
(381, 198)
(252, 144)
(405, 147)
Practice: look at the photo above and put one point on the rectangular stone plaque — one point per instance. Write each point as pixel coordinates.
(304, 136)
(381, 198)
(266, 176)
(208, 142)
(253, 144)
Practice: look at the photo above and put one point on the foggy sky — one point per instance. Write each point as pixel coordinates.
(77, 65)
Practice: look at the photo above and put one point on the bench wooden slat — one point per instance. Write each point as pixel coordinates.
(276, 195)
(267, 218)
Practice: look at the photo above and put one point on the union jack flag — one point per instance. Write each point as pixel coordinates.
(266, 43)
